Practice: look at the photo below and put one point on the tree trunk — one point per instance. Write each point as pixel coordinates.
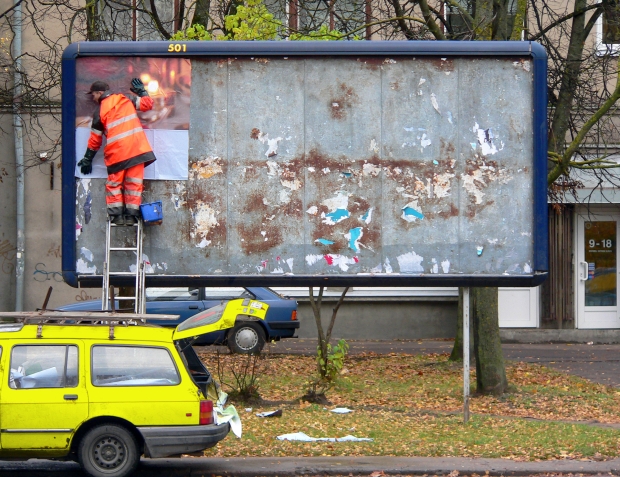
(201, 13)
(570, 79)
(490, 369)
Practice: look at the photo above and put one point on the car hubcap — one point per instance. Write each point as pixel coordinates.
(109, 453)
(246, 338)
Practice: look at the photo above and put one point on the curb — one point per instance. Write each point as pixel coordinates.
(331, 466)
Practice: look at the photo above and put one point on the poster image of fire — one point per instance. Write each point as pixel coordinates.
(168, 82)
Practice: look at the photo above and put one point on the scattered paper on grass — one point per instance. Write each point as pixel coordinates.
(342, 410)
(229, 415)
(276, 413)
(300, 436)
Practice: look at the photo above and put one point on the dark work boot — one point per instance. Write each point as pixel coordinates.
(117, 219)
(131, 220)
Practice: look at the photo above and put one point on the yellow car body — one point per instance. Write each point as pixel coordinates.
(114, 384)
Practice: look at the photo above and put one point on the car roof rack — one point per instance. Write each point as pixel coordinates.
(70, 318)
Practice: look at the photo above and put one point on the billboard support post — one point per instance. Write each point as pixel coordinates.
(465, 354)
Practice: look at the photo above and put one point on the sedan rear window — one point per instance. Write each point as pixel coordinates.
(133, 366)
(172, 294)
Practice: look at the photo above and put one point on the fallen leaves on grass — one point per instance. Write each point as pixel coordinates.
(411, 405)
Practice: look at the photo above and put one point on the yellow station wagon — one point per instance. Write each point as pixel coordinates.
(93, 388)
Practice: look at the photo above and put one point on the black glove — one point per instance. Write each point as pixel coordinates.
(86, 164)
(137, 87)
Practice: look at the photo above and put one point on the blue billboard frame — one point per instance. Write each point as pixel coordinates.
(308, 49)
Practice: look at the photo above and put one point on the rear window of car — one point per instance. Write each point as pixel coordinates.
(133, 366)
(226, 293)
(172, 294)
(44, 366)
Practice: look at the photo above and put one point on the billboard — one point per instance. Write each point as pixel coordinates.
(323, 163)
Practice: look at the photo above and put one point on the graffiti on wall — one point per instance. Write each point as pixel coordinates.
(40, 274)
(7, 256)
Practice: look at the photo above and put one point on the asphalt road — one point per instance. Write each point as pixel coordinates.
(598, 363)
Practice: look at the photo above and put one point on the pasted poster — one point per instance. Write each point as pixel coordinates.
(168, 82)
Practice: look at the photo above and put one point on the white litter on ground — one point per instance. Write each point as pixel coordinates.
(341, 410)
(300, 436)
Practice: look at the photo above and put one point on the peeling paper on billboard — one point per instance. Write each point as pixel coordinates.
(410, 262)
(272, 144)
(411, 212)
(335, 260)
(354, 236)
(337, 207)
(485, 140)
(84, 268)
(206, 168)
(205, 218)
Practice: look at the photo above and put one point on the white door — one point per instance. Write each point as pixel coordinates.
(596, 270)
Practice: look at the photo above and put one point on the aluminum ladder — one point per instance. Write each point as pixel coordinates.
(139, 298)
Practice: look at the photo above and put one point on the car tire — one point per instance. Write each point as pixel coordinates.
(247, 337)
(108, 451)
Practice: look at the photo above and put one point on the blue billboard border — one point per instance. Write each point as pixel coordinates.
(313, 48)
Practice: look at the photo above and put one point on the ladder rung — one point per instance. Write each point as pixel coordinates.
(118, 249)
(124, 297)
(121, 274)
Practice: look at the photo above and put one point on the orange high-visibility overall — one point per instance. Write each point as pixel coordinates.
(127, 151)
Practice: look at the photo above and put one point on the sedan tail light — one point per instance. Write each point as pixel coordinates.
(294, 315)
(206, 412)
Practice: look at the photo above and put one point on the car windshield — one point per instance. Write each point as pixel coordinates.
(206, 317)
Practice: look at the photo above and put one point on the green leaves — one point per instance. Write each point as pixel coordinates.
(331, 365)
(252, 21)
(194, 32)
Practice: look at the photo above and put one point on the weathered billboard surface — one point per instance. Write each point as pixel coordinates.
(327, 163)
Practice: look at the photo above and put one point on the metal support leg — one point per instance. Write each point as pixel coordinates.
(465, 354)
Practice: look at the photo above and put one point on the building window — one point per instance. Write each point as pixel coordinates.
(457, 26)
(611, 22)
(309, 15)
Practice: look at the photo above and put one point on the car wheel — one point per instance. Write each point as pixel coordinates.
(248, 337)
(108, 451)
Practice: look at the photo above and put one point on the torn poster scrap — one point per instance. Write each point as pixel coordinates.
(300, 436)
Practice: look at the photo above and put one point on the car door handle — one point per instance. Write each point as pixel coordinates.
(71, 397)
(193, 307)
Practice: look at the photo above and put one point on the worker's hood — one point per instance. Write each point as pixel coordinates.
(220, 317)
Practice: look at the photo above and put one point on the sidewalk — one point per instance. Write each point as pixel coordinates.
(599, 363)
(334, 466)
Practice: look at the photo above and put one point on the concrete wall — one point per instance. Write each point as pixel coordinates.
(8, 236)
(42, 222)
(43, 266)
(383, 319)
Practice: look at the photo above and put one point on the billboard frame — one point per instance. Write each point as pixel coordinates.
(196, 49)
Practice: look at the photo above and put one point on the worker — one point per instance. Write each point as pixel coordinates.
(127, 151)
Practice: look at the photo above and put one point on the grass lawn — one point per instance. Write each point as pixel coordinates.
(412, 406)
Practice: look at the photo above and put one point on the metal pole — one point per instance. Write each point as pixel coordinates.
(465, 354)
(19, 158)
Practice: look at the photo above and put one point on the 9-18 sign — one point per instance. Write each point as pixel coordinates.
(607, 243)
